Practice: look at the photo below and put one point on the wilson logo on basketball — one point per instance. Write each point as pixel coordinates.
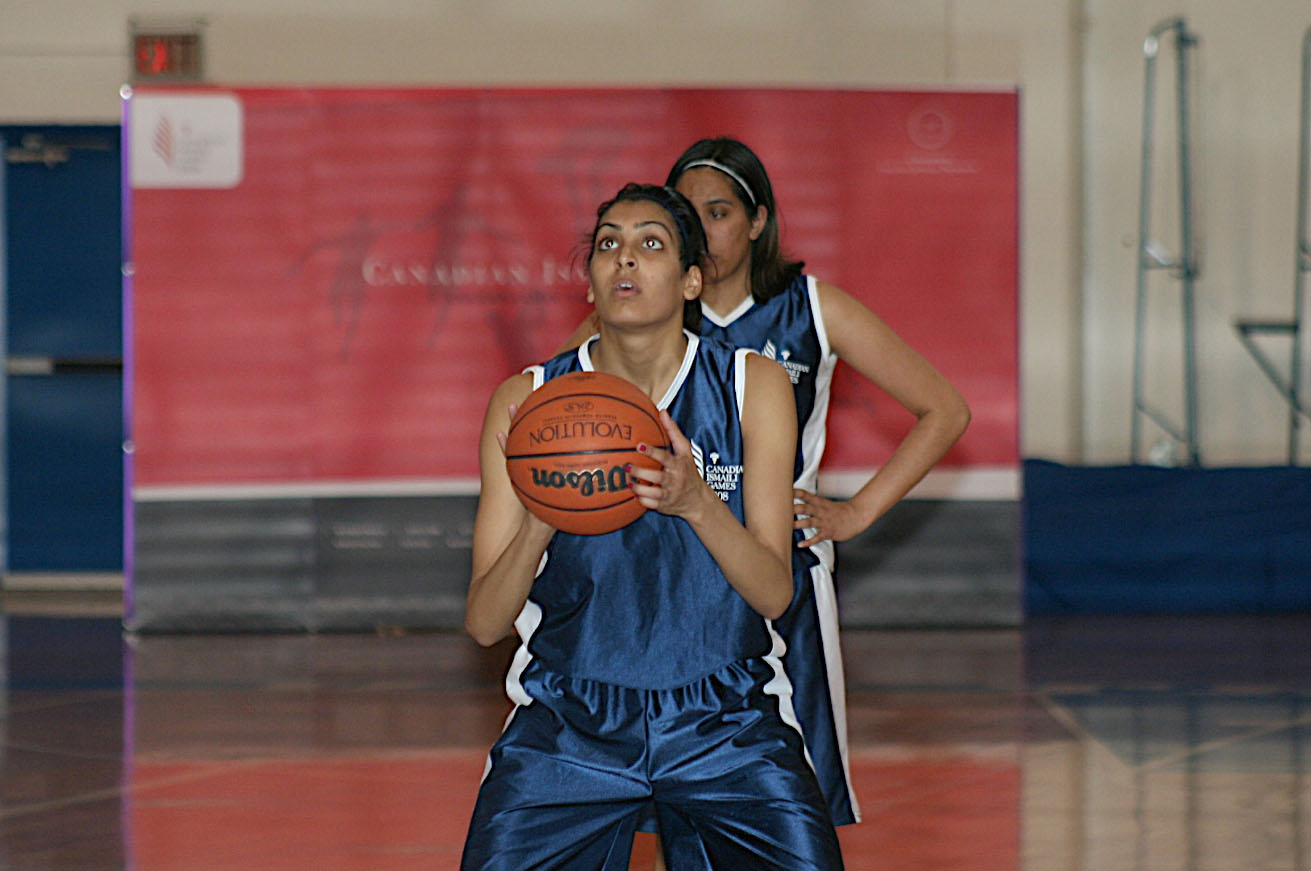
(580, 429)
(568, 447)
(587, 482)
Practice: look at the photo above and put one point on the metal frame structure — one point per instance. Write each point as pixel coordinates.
(1291, 387)
(1153, 256)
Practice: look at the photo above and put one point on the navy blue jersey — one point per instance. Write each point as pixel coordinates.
(646, 687)
(788, 328)
(647, 606)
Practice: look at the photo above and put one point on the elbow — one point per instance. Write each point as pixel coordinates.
(960, 417)
(948, 418)
(778, 601)
(775, 610)
(484, 635)
(485, 639)
(952, 416)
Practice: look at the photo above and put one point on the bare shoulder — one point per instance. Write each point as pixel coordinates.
(512, 391)
(515, 388)
(838, 305)
(767, 382)
(851, 325)
(870, 346)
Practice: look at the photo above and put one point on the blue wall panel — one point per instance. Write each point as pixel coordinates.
(62, 292)
(1146, 540)
(65, 473)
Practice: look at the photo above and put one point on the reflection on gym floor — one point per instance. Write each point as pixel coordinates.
(1096, 745)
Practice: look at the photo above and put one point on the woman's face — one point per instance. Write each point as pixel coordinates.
(730, 228)
(635, 273)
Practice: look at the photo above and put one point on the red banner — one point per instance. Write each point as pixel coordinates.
(330, 283)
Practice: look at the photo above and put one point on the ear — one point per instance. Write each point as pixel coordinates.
(591, 297)
(692, 282)
(758, 222)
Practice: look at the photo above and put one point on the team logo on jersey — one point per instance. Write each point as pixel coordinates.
(794, 368)
(723, 478)
(699, 457)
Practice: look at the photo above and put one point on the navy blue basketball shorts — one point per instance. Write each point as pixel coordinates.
(577, 769)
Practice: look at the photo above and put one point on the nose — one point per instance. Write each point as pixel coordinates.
(625, 257)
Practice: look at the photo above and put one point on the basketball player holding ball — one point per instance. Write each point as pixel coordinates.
(648, 676)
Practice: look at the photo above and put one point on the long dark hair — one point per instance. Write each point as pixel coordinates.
(692, 247)
(771, 271)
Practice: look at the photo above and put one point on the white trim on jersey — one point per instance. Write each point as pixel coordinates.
(525, 624)
(826, 604)
(585, 354)
(780, 686)
(814, 434)
(693, 340)
(742, 308)
(740, 377)
(812, 291)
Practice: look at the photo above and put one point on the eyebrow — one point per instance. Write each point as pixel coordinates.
(641, 225)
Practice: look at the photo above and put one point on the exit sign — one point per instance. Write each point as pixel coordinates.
(167, 55)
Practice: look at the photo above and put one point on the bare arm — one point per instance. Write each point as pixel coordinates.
(508, 541)
(756, 558)
(871, 347)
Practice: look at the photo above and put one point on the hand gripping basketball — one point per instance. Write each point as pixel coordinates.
(569, 447)
(674, 487)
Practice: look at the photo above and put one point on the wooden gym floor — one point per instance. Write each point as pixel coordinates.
(1071, 745)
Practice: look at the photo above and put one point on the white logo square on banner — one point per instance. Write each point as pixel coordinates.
(186, 141)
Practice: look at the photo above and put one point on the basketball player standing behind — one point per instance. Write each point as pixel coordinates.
(754, 297)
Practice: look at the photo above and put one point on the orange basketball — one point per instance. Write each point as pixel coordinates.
(569, 443)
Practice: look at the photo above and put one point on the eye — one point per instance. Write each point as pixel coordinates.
(718, 212)
(653, 243)
(605, 243)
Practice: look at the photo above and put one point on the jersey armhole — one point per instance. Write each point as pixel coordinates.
(817, 314)
(740, 377)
